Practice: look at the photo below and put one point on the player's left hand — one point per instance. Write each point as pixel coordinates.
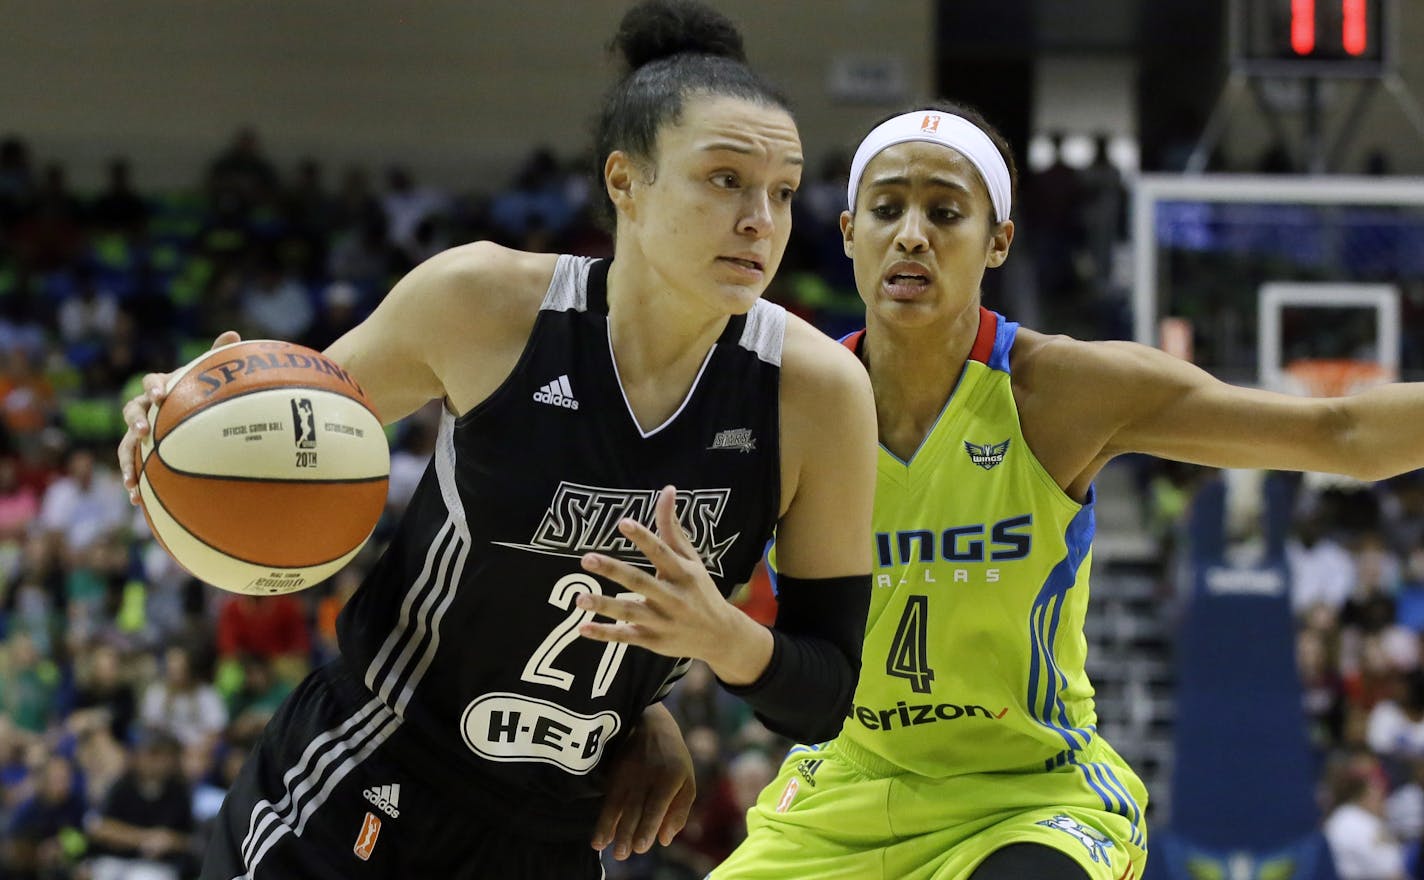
(651, 786)
(676, 611)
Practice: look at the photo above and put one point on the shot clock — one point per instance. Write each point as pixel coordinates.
(1312, 37)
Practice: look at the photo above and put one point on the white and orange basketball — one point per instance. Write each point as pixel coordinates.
(265, 468)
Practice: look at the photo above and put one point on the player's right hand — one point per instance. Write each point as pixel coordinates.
(136, 417)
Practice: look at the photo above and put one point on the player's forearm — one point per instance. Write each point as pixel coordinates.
(744, 653)
(805, 689)
(1381, 432)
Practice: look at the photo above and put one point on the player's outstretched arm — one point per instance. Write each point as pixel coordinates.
(1139, 399)
(453, 327)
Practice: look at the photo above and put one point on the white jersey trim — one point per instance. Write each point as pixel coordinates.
(335, 753)
(765, 332)
(568, 289)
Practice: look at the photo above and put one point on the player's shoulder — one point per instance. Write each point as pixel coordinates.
(487, 273)
(1051, 359)
(480, 290)
(816, 364)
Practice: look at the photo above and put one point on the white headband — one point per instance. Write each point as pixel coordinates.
(944, 129)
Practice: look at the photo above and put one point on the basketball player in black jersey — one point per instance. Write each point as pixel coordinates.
(620, 440)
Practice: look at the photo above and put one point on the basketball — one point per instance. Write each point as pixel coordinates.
(265, 467)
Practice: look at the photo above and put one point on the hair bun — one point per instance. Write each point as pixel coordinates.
(657, 29)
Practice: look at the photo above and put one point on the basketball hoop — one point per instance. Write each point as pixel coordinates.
(1333, 377)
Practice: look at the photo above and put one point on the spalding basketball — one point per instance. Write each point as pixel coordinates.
(265, 469)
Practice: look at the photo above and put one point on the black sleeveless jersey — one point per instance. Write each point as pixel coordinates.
(466, 629)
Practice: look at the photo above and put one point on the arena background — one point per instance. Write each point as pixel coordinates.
(1254, 640)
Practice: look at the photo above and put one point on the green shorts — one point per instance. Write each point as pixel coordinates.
(839, 812)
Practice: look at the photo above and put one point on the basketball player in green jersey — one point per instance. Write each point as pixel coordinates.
(971, 750)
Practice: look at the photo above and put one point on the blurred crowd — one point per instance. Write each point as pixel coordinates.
(129, 692)
(1357, 571)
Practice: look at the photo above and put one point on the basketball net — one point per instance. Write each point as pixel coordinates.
(1333, 377)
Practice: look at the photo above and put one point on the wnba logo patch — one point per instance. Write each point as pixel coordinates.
(930, 124)
(303, 423)
(366, 840)
(788, 796)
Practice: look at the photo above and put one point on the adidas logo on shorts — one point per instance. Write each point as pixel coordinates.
(557, 393)
(386, 798)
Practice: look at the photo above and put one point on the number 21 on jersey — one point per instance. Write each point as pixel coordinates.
(541, 669)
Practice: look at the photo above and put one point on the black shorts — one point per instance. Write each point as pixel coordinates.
(324, 795)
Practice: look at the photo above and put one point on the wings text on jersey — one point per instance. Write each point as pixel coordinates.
(1008, 539)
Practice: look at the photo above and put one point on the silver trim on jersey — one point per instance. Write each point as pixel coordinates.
(765, 331)
(568, 289)
(335, 753)
(678, 671)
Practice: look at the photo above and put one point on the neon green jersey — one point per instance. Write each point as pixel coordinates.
(974, 647)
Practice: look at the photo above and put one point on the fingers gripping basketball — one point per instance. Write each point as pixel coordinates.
(265, 470)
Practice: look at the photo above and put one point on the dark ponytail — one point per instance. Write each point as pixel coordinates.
(671, 49)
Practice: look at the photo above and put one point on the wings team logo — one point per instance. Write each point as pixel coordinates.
(584, 519)
(987, 456)
(1097, 844)
(930, 124)
(304, 423)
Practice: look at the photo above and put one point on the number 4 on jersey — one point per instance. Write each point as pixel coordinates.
(909, 653)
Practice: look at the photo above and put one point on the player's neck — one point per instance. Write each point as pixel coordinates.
(656, 332)
(913, 371)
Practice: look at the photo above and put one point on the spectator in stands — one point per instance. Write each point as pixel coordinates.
(145, 825)
(538, 199)
(101, 758)
(306, 206)
(1052, 204)
(46, 825)
(19, 503)
(1396, 728)
(254, 702)
(363, 255)
(1404, 809)
(242, 172)
(406, 205)
(26, 395)
(183, 706)
(272, 627)
(1322, 572)
(340, 311)
(51, 235)
(1322, 692)
(88, 317)
(16, 181)
(103, 692)
(1103, 211)
(1359, 839)
(274, 304)
(27, 684)
(83, 506)
(119, 208)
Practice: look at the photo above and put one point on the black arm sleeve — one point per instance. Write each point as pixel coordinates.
(806, 690)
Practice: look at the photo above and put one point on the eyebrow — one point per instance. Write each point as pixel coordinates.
(730, 147)
(900, 180)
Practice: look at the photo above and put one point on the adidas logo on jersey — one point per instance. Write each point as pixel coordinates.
(386, 798)
(557, 393)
